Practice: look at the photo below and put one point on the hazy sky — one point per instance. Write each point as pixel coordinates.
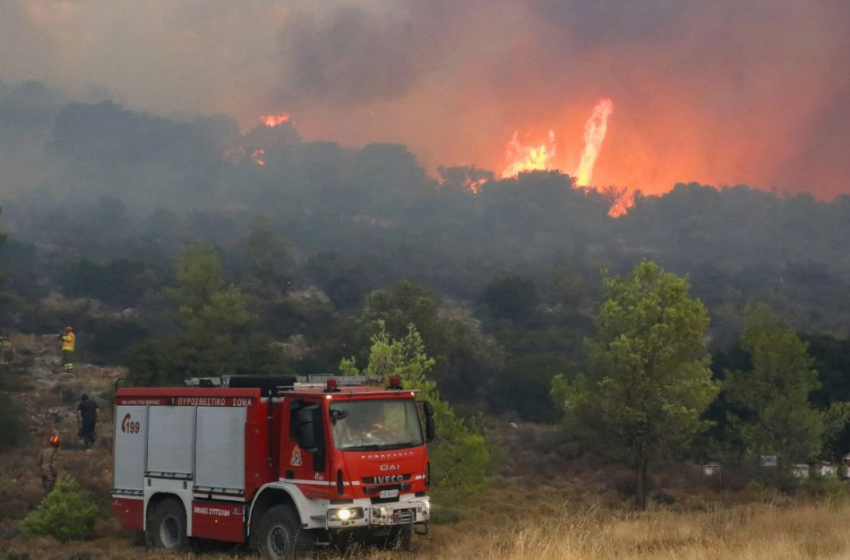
(718, 91)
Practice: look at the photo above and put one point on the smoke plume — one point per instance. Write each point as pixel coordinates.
(721, 92)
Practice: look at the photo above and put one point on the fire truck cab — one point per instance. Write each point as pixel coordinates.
(284, 464)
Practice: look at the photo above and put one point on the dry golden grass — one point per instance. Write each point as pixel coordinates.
(753, 532)
(743, 532)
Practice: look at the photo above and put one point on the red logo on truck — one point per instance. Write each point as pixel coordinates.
(130, 426)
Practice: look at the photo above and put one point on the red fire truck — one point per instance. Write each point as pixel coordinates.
(284, 464)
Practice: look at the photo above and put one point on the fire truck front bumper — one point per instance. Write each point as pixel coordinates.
(363, 513)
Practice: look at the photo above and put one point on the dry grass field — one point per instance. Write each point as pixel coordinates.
(753, 532)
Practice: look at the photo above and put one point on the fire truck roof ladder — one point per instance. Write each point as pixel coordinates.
(271, 384)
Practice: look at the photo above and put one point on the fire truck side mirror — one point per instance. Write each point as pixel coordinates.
(430, 425)
(428, 408)
(309, 419)
(430, 429)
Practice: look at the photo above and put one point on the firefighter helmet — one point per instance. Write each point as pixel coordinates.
(54, 441)
(69, 329)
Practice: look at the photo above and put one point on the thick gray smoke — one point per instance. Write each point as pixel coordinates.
(721, 92)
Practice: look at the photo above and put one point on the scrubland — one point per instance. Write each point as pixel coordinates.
(545, 503)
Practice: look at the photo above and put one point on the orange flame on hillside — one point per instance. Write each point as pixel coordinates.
(275, 120)
(523, 158)
(528, 158)
(620, 200)
(474, 184)
(255, 141)
(594, 134)
(258, 155)
(621, 207)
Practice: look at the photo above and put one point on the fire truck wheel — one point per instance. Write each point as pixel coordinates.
(281, 536)
(167, 527)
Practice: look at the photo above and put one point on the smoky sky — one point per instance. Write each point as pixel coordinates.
(721, 91)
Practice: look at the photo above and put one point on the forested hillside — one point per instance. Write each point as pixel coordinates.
(172, 250)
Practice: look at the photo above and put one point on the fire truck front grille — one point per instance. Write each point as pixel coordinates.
(404, 516)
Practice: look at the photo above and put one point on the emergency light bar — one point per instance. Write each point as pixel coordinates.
(287, 382)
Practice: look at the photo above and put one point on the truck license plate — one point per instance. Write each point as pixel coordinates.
(389, 493)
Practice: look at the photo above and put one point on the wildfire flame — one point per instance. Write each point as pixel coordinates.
(474, 184)
(275, 120)
(257, 156)
(594, 134)
(528, 158)
(539, 158)
(621, 207)
(255, 141)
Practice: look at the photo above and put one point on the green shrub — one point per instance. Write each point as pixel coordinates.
(65, 514)
(12, 418)
(829, 490)
(460, 458)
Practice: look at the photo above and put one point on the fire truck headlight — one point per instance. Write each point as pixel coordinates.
(345, 514)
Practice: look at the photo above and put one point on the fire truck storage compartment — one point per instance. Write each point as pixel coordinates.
(171, 441)
(131, 432)
(220, 449)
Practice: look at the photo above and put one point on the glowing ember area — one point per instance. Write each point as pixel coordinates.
(594, 134)
(621, 207)
(474, 184)
(528, 158)
(275, 120)
(257, 156)
(620, 200)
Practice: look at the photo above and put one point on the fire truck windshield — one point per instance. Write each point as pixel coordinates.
(375, 424)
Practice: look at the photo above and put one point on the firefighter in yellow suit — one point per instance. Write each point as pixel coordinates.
(68, 341)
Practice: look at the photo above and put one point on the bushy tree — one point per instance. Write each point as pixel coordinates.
(121, 283)
(199, 275)
(13, 420)
(267, 258)
(5, 297)
(218, 336)
(464, 359)
(776, 416)
(648, 380)
(65, 514)
(512, 298)
(459, 458)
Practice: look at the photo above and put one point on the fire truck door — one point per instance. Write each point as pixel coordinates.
(220, 449)
(131, 432)
(299, 464)
(171, 442)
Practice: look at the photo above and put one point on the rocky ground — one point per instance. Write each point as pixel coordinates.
(49, 396)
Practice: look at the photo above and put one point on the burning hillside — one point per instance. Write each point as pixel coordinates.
(271, 130)
(533, 157)
(523, 158)
(721, 92)
(594, 135)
